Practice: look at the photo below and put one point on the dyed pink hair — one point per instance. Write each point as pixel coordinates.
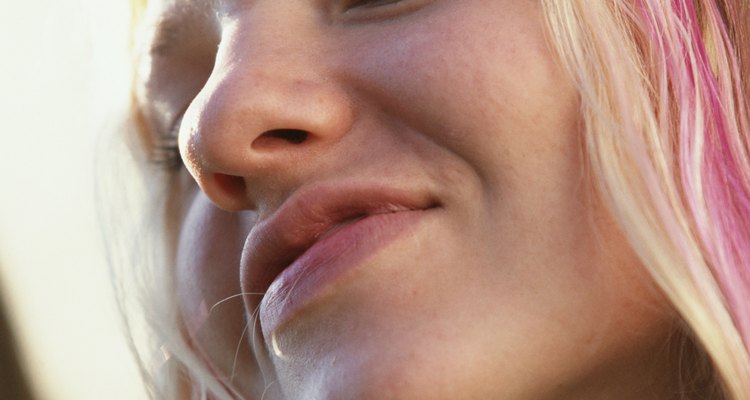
(664, 87)
(710, 120)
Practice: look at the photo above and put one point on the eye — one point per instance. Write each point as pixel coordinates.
(164, 152)
(370, 3)
(373, 10)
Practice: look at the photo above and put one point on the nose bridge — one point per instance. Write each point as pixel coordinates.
(264, 67)
(268, 78)
(263, 39)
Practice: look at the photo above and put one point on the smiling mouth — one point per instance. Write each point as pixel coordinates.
(341, 225)
(318, 236)
(391, 209)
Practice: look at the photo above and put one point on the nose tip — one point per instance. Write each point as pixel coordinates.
(251, 131)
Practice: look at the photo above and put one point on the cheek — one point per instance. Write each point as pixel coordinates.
(208, 288)
(488, 89)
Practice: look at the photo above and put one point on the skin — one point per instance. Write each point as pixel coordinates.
(519, 286)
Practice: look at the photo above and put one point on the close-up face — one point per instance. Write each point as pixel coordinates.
(391, 201)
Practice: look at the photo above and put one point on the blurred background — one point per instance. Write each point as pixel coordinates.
(63, 76)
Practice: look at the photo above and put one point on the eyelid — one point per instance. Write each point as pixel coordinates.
(370, 4)
(373, 12)
(165, 151)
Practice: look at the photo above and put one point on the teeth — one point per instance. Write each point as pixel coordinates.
(390, 208)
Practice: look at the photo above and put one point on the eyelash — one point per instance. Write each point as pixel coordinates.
(371, 3)
(165, 152)
(371, 10)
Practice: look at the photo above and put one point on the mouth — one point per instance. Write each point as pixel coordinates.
(319, 234)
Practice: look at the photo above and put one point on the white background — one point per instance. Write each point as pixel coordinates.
(63, 68)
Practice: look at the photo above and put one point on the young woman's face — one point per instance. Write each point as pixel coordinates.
(397, 190)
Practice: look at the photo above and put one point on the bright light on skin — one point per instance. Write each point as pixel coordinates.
(276, 349)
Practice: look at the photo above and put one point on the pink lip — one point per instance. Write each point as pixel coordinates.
(318, 235)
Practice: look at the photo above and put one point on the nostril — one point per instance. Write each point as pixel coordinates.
(279, 138)
(294, 136)
(232, 186)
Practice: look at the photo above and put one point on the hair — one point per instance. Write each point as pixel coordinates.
(664, 87)
(666, 134)
(14, 381)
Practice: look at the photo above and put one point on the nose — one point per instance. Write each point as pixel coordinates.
(268, 111)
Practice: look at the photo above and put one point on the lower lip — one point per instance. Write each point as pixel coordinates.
(330, 259)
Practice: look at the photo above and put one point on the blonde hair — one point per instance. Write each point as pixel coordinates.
(666, 130)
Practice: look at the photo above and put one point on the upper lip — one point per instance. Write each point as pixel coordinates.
(311, 213)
